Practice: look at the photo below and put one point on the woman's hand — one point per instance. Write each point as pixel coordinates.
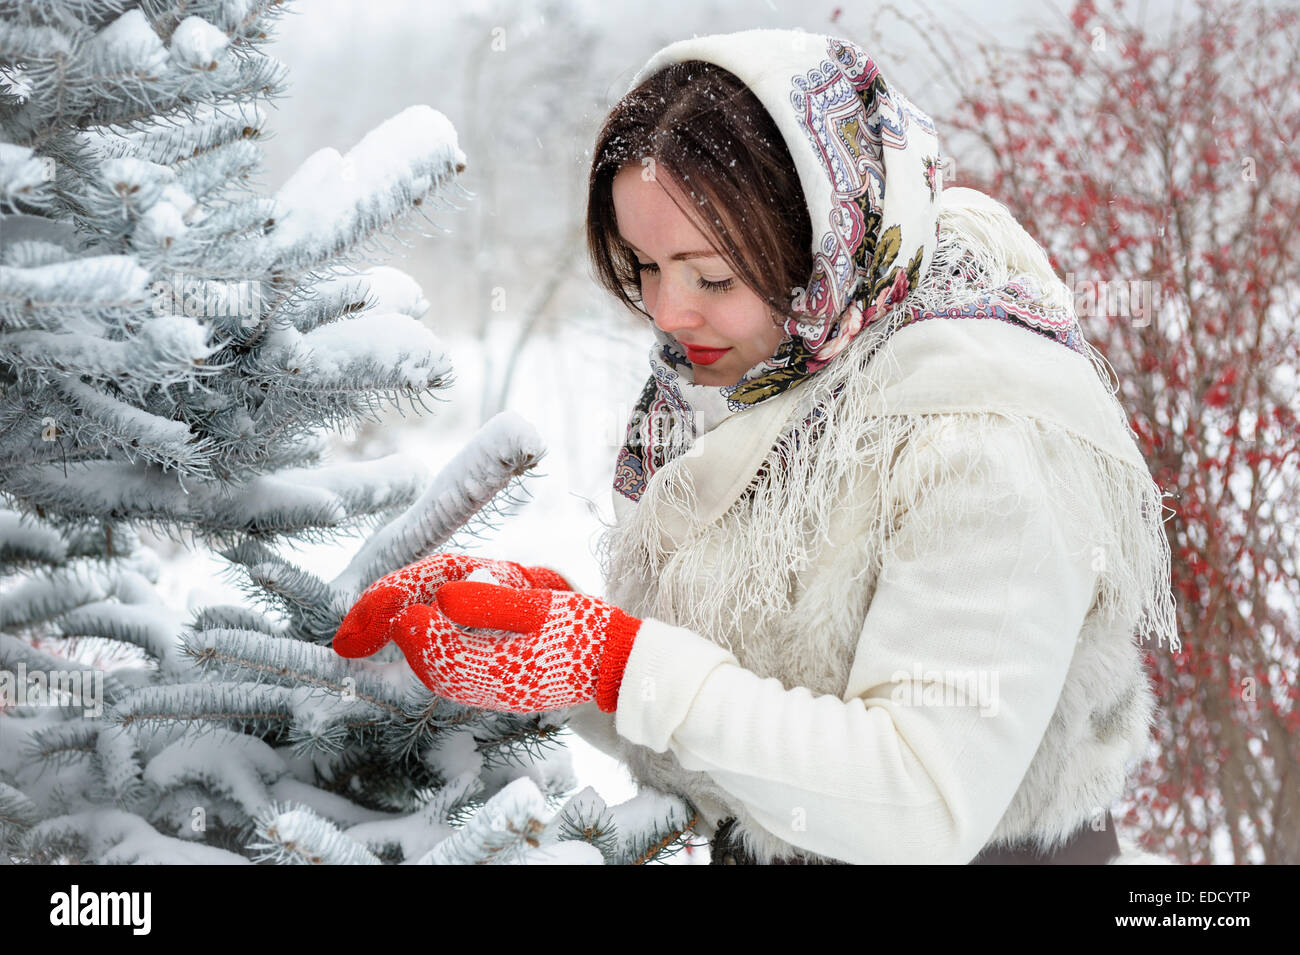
(570, 647)
(367, 626)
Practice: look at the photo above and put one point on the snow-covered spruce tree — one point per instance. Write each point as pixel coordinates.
(174, 349)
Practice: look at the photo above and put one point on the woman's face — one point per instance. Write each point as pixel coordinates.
(688, 288)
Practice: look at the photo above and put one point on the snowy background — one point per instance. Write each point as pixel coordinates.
(526, 85)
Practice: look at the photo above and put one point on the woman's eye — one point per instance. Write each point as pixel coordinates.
(723, 286)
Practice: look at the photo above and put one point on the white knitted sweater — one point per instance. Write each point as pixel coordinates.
(928, 636)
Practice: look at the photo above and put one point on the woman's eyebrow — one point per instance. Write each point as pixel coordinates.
(680, 256)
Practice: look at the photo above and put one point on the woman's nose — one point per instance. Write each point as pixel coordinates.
(675, 309)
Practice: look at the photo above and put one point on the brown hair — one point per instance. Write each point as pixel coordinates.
(710, 136)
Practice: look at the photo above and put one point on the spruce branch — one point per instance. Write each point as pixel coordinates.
(258, 709)
(586, 818)
(424, 717)
(17, 815)
(17, 657)
(229, 654)
(503, 449)
(291, 834)
(514, 740)
(507, 825)
(64, 744)
(655, 826)
(110, 836)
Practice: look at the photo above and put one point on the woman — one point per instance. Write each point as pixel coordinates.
(885, 546)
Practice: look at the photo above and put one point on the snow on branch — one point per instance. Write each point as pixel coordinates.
(17, 815)
(243, 22)
(408, 351)
(124, 75)
(294, 834)
(205, 705)
(235, 764)
(586, 818)
(334, 202)
(339, 367)
(139, 433)
(507, 825)
(197, 45)
(143, 493)
(88, 295)
(63, 744)
(503, 449)
(326, 299)
(117, 837)
(312, 720)
(277, 581)
(655, 825)
(235, 617)
(22, 539)
(231, 655)
(169, 349)
(151, 627)
(209, 129)
(300, 502)
(127, 47)
(25, 178)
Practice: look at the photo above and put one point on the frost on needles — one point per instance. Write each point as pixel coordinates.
(175, 349)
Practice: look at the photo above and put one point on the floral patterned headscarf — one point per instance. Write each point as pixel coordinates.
(868, 163)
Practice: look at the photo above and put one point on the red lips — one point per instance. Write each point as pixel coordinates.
(704, 356)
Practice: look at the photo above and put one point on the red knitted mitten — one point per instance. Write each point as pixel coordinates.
(367, 626)
(571, 647)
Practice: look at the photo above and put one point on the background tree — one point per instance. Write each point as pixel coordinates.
(1157, 162)
(174, 351)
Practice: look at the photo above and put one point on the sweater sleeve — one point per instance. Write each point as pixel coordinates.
(958, 668)
(594, 727)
